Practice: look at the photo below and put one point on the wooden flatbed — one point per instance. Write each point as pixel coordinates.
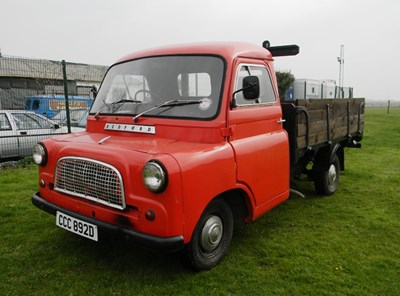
(319, 128)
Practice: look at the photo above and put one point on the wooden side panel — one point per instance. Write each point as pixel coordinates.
(328, 120)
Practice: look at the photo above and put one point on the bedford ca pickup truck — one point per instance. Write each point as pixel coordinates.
(183, 141)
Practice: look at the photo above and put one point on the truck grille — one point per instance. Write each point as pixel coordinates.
(90, 179)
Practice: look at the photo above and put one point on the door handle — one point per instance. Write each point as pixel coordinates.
(281, 120)
(23, 133)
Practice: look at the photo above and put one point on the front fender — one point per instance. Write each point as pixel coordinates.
(207, 171)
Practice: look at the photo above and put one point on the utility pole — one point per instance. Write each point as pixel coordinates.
(341, 71)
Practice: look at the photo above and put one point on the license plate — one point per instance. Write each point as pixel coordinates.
(77, 226)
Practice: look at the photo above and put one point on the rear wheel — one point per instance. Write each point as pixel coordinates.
(326, 182)
(211, 237)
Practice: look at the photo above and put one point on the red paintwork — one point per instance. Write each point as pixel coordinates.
(244, 149)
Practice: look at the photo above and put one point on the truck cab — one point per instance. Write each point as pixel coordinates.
(180, 143)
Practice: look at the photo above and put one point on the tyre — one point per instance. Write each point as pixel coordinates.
(211, 237)
(326, 182)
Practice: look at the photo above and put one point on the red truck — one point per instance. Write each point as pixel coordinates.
(183, 141)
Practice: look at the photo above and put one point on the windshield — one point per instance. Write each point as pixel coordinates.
(144, 87)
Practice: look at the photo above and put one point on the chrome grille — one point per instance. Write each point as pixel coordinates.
(90, 179)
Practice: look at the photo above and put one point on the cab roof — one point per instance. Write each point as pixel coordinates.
(228, 50)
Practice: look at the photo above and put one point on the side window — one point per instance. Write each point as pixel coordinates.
(4, 123)
(194, 85)
(28, 104)
(35, 105)
(25, 121)
(39, 121)
(267, 94)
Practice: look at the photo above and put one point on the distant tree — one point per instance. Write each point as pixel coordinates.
(285, 80)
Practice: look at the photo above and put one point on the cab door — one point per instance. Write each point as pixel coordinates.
(258, 138)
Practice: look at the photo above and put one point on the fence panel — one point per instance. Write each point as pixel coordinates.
(37, 87)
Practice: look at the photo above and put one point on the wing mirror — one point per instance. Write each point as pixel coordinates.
(250, 89)
(94, 91)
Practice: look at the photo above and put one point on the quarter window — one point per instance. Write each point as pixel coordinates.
(4, 122)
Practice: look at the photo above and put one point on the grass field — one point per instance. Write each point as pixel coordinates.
(347, 244)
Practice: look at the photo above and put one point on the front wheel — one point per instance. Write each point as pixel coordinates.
(211, 237)
(327, 181)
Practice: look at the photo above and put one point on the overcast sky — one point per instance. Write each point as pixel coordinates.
(100, 32)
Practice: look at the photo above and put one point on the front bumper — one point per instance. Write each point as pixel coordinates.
(174, 243)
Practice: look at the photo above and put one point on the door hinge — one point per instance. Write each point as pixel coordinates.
(226, 132)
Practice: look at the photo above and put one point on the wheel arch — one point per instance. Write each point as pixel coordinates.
(325, 155)
(240, 204)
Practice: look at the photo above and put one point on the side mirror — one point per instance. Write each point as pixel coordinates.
(94, 91)
(251, 87)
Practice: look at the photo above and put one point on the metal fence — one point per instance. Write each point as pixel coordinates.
(36, 86)
(383, 103)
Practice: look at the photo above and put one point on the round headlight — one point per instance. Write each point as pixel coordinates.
(154, 177)
(39, 154)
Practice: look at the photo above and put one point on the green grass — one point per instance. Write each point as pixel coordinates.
(347, 244)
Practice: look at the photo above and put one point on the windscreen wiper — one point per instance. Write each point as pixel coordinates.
(97, 115)
(171, 103)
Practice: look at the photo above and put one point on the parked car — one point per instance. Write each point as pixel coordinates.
(21, 130)
(78, 117)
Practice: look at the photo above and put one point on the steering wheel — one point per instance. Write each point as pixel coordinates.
(145, 98)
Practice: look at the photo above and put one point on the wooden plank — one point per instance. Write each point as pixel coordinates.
(315, 127)
(319, 104)
(321, 125)
(313, 104)
(314, 139)
(320, 137)
(314, 115)
(339, 132)
(335, 111)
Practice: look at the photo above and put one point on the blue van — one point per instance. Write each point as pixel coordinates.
(49, 106)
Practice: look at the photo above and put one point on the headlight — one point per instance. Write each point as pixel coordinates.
(154, 176)
(39, 154)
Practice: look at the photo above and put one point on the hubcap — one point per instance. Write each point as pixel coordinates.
(211, 234)
(332, 175)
